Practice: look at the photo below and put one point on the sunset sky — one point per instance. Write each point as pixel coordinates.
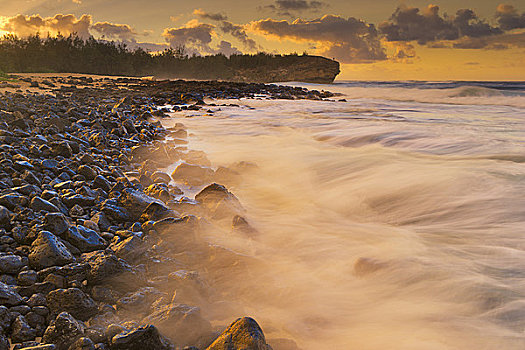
(373, 40)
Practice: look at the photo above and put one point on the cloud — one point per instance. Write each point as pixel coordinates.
(288, 7)
(509, 18)
(227, 49)
(114, 31)
(409, 24)
(348, 40)
(194, 35)
(213, 16)
(238, 31)
(23, 26)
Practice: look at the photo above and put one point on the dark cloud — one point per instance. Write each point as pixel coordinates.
(23, 26)
(195, 36)
(348, 40)
(288, 7)
(411, 24)
(114, 31)
(227, 49)
(212, 16)
(509, 18)
(238, 31)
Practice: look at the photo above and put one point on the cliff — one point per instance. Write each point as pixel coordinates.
(308, 69)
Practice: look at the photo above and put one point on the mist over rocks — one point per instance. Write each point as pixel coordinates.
(100, 247)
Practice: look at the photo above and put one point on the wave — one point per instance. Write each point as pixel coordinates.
(457, 94)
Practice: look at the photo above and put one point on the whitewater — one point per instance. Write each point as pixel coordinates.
(390, 217)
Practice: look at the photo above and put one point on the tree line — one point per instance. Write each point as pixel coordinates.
(73, 54)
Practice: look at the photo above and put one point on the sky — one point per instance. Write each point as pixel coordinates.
(373, 39)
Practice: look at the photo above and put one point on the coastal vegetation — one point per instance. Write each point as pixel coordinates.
(73, 54)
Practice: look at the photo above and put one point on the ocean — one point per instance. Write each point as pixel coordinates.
(391, 217)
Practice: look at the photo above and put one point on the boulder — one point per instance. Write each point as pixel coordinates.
(141, 338)
(5, 218)
(130, 249)
(11, 264)
(85, 239)
(39, 204)
(56, 223)
(63, 331)
(8, 295)
(243, 334)
(21, 331)
(135, 202)
(105, 267)
(218, 202)
(72, 300)
(193, 175)
(47, 250)
(181, 323)
(83, 343)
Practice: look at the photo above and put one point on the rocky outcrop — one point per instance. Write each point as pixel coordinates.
(308, 69)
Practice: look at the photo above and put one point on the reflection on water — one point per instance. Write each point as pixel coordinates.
(381, 224)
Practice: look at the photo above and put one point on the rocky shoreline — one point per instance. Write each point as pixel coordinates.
(90, 223)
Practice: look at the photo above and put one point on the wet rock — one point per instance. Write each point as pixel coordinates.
(156, 211)
(219, 202)
(101, 221)
(86, 240)
(8, 295)
(102, 183)
(243, 334)
(13, 201)
(83, 343)
(27, 278)
(39, 204)
(181, 323)
(21, 331)
(87, 171)
(135, 202)
(41, 347)
(5, 319)
(72, 300)
(161, 177)
(11, 264)
(108, 268)
(192, 174)
(159, 191)
(140, 301)
(63, 331)
(130, 249)
(146, 337)
(240, 224)
(5, 218)
(56, 223)
(47, 250)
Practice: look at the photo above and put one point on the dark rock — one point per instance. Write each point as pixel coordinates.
(83, 343)
(11, 264)
(156, 211)
(84, 239)
(21, 331)
(56, 223)
(108, 268)
(5, 218)
(27, 278)
(101, 220)
(39, 204)
(130, 249)
(5, 319)
(181, 323)
(146, 337)
(219, 202)
(41, 347)
(8, 295)
(72, 300)
(135, 202)
(47, 250)
(63, 331)
(13, 201)
(102, 183)
(243, 334)
(192, 174)
(87, 171)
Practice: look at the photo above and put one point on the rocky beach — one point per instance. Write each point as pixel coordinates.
(101, 244)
